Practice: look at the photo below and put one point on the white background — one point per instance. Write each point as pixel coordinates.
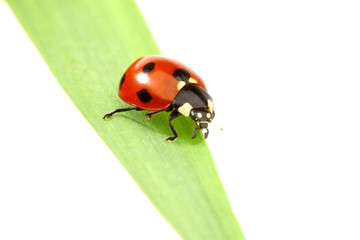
(284, 76)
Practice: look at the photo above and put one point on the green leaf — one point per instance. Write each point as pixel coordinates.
(88, 45)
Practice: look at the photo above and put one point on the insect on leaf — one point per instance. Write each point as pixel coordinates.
(88, 45)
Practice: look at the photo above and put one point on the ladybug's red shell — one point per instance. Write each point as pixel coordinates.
(153, 82)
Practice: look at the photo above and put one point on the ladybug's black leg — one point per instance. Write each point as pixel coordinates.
(172, 116)
(205, 134)
(121, 110)
(148, 115)
(194, 133)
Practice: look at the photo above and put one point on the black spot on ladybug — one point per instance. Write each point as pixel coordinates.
(144, 95)
(182, 75)
(122, 81)
(148, 67)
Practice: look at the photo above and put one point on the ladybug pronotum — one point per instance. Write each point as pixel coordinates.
(158, 84)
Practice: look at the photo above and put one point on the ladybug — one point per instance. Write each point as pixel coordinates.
(158, 84)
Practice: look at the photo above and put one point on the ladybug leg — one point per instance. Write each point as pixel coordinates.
(172, 116)
(194, 133)
(149, 115)
(205, 134)
(121, 110)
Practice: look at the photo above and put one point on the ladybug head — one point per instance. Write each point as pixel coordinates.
(202, 116)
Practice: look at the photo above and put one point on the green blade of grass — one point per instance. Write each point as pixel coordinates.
(88, 45)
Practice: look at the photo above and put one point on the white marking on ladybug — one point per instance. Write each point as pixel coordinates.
(192, 80)
(208, 115)
(142, 78)
(210, 105)
(185, 109)
(180, 85)
(199, 115)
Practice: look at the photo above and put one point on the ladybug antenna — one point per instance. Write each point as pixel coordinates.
(196, 122)
(217, 126)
